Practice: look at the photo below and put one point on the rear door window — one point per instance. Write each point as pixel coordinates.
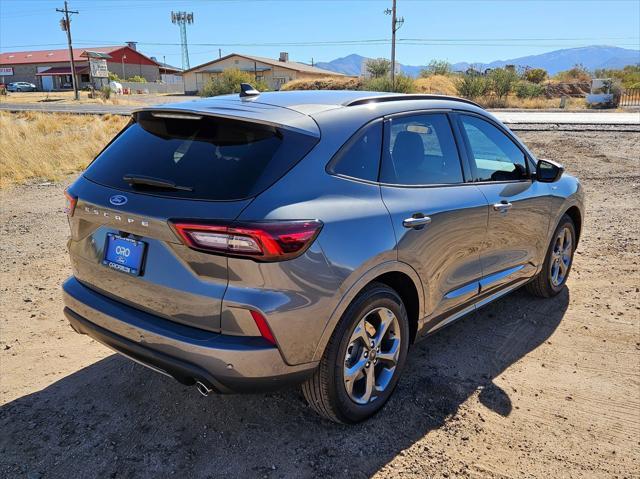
(420, 150)
(203, 158)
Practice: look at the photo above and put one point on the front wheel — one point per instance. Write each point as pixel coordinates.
(364, 358)
(557, 264)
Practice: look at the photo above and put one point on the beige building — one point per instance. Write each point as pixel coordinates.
(274, 72)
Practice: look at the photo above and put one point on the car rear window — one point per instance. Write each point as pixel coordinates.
(204, 157)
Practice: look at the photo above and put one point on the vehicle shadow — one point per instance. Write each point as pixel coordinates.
(118, 419)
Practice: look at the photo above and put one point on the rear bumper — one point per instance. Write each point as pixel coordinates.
(224, 363)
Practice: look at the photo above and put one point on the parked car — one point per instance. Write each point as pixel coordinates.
(243, 243)
(21, 86)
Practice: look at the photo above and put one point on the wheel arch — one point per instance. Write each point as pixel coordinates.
(399, 276)
(576, 216)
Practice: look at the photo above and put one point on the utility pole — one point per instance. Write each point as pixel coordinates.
(396, 23)
(65, 23)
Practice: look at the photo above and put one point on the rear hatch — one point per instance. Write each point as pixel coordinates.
(177, 165)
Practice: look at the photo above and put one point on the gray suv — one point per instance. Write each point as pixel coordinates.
(247, 242)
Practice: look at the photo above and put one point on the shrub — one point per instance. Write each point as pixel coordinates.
(378, 67)
(403, 84)
(105, 92)
(114, 77)
(437, 67)
(439, 84)
(576, 74)
(502, 81)
(535, 75)
(629, 76)
(229, 82)
(137, 79)
(526, 89)
(471, 85)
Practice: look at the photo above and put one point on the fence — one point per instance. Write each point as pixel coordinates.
(153, 88)
(630, 97)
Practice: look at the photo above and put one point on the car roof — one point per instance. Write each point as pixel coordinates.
(300, 109)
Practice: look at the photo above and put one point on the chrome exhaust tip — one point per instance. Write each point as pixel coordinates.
(203, 388)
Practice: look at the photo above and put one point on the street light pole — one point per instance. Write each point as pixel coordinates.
(124, 57)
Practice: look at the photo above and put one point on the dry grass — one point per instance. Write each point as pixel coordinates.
(439, 84)
(65, 97)
(48, 146)
(539, 103)
(328, 83)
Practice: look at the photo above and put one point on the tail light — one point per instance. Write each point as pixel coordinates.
(70, 205)
(262, 241)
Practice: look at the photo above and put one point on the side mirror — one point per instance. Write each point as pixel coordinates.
(548, 171)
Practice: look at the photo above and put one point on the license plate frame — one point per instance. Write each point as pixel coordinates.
(125, 255)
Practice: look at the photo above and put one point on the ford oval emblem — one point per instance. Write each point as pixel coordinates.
(118, 200)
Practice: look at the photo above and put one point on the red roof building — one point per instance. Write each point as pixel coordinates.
(51, 69)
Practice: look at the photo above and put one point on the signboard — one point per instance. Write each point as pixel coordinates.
(98, 68)
(6, 71)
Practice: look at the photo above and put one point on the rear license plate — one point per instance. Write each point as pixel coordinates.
(124, 254)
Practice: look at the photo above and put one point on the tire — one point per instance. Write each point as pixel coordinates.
(546, 283)
(327, 390)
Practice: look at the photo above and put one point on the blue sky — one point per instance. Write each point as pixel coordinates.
(463, 30)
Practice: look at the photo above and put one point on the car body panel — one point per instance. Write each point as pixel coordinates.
(196, 305)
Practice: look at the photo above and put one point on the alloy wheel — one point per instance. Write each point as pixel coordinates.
(561, 255)
(372, 355)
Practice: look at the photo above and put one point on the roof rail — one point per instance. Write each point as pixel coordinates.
(401, 97)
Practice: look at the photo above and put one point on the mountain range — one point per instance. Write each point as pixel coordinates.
(591, 57)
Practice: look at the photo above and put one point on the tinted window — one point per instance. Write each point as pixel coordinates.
(420, 150)
(211, 158)
(495, 156)
(360, 156)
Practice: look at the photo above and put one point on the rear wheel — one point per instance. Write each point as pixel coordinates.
(364, 358)
(555, 270)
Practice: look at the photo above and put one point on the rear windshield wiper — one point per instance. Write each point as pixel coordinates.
(140, 180)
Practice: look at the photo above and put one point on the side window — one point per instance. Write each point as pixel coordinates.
(360, 156)
(420, 150)
(495, 155)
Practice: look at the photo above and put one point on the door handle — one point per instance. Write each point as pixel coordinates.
(502, 207)
(418, 220)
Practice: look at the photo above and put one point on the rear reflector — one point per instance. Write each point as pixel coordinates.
(70, 206)
(263, 327)
(262, 241)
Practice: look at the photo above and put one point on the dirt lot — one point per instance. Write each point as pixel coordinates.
(524, 388)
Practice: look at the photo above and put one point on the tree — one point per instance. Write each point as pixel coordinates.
(535, 75)
(437, 67)
(502, 81)
(378, 67)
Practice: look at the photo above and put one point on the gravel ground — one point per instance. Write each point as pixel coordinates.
(523, 388)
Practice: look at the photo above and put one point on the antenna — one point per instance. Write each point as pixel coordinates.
(182, 19)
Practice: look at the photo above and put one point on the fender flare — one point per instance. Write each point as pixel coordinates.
(357, 286)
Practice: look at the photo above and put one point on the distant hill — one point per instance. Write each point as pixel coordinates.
(591, 57)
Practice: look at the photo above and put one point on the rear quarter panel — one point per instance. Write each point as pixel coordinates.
(357, 237)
